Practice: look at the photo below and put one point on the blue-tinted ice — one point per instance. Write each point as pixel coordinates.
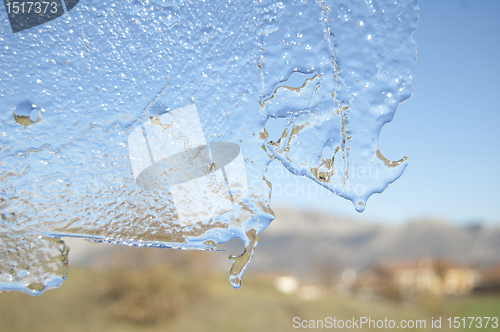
(89, 101)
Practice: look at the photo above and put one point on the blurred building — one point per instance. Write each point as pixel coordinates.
(400, 279)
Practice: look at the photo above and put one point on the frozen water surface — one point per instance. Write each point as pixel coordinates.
(144, 122)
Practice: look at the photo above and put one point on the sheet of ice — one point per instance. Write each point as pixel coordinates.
(78, 94)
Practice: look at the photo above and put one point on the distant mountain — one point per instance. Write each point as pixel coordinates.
(308, 243)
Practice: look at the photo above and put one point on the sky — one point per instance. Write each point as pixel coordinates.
(449, 129)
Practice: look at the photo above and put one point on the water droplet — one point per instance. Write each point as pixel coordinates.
(241, 262)
(210, 245)
(27, 114)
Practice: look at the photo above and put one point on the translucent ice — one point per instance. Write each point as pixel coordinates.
(144, 122)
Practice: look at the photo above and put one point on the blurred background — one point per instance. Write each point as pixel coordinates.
(427, 247)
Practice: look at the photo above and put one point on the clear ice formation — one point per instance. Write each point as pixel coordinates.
(75, 91)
